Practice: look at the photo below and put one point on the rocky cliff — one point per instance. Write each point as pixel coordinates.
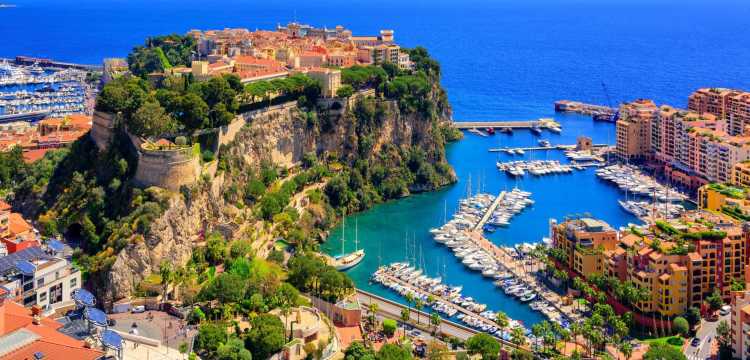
(282, 135)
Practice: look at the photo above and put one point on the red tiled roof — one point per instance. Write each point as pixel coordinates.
(34, 155)
(52, 343)
(4, 206)
(17, 224)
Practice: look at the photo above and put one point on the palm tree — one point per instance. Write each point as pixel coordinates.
(626, 349)
(435, 320)
(517, 337)
(418, 304)
(501, 319)
(167, 277)
(373, 309)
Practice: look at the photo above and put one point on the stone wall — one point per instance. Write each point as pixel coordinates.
(102, 127)
(167, 169)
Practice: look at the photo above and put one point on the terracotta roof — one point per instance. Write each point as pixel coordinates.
(75, 119)
(52, 343)
(694, 256)
(4, 206)
(17, 224)
(34, 155)
(630, 240)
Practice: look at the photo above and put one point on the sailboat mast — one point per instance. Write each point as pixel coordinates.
(343, 234)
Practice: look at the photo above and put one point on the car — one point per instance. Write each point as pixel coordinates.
(695, 341)
(415, 333)
(138, 309)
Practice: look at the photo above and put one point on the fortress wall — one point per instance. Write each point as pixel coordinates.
(168, 169)
(102, 127)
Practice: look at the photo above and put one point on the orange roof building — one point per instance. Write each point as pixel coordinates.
(25, 334)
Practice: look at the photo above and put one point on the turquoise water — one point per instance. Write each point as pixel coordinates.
(384, 230)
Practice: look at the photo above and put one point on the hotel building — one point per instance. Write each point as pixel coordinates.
(634, 130)
(733, 106)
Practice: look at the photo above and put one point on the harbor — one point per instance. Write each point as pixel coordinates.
(382, 230)
(32, 92)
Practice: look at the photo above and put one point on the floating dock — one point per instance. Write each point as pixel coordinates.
(541, 123)
(578, 107)
(553, 147)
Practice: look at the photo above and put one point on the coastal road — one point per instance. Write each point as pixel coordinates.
(707, 336)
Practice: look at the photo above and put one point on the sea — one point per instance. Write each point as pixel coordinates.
(501, 60)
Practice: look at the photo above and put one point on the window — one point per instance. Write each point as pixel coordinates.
(43, 297)
(73, 283)
(40, 282)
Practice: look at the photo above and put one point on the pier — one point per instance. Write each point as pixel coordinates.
(553, 147)
(489, 212)
(541, 123)
(583, 108)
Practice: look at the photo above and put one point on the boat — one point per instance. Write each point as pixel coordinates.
(345, 261)
(536, 130)
(544, 143)
(490, 131)
(506, 130)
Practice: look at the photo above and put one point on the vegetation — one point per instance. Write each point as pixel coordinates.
(161, 53)
(483, 344)
(680, 326)
(663, 352)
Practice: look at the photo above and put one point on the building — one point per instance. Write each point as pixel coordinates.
(49, 133)
(676, 264)
(26, 334)
(584, 242)
(732, 106)
(584, 143)
(15, 233)
(741, 174)
(634, 130)
(114, 68)
(740, 324)
(330, 80)
(39, 276)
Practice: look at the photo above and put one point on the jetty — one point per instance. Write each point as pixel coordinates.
(545, 123)
(552, 147)
(490, 211)
(578, 107)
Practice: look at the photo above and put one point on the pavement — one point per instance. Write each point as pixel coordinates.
(707, 335)
(155, 325)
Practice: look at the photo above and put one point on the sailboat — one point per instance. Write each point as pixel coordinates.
(346, 261)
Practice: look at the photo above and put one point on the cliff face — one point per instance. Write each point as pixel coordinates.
(280, 135)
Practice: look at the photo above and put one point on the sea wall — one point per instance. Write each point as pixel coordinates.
(168, 169)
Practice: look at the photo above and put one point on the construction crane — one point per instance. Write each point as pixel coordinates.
(606, 116)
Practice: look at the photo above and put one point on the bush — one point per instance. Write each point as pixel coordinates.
(389, 327)
(208, 156)
(680, 326)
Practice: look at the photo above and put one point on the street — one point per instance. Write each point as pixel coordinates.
(707, 336)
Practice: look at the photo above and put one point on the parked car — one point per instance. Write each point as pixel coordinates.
(695, 341)
(725, 310)
(138, 309)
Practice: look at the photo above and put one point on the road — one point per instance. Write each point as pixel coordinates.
(707, 336)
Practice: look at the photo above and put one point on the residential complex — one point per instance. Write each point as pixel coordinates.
(265, 55)
(733, 106)
(677, 264)
(15, 233)
(694, 147)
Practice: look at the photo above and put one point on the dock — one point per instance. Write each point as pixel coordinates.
(578, 107)
(489, 212)
(553, 147)
(528, 124)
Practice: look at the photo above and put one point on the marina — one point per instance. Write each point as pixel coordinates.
(536, 167)
(29, 93)
(631, 180)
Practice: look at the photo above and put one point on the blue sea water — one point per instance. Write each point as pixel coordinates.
(501, 60)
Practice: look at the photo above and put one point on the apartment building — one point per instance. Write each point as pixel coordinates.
(634, 128)
(39, 276)
(15, 233)
(676, 272)
(732, 106)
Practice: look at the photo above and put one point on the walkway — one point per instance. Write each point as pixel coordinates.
(489, 212)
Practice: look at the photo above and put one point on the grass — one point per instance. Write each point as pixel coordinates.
(675, 341)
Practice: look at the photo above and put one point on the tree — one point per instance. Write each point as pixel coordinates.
(389, 327)
(150, 120)
(210, 337)
(227, 288)
(484, 345)
(693, 316)
(502, 319)
(715, 301)
(393, 352)
(357, 351)
(724, 339)
(234, 349)
(418, 304)
(435, 320)
(344, 91)
(663, 352)
(626, 349)
(193, 111)
(680, 326)
(517, 336)
(266, 336)
(518, 354)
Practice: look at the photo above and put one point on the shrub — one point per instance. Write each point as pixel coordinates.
(208, 156)
(389, 327)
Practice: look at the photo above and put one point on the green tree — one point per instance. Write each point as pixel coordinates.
(693, 316)
(484, 345)
(193, 111)
(227, 288)
(724, 340)
(150, 120)
(393, 352)
(357, 350)
(663, 352)
(389, 327)
(435, 320)
(234, 349)
(715, 301)
(266, 336)
(344, 91)
(680, 326)
(210, 337)
(501, 318)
